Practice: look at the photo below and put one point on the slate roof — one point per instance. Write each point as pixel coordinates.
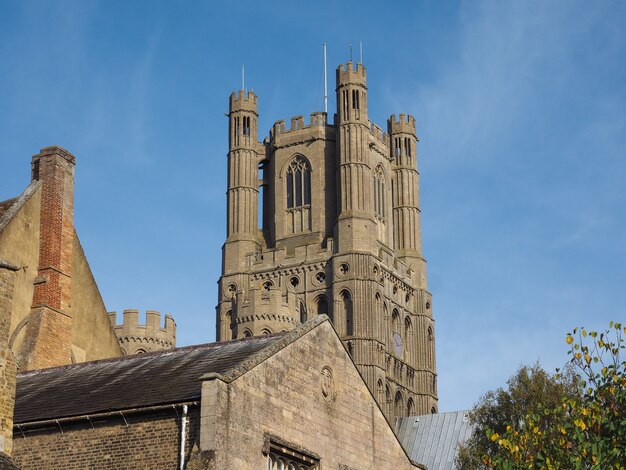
(433, 439)
(5, 205)
(129, 382)
(10, 207)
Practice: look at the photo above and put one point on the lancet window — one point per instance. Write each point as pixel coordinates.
(379, 192)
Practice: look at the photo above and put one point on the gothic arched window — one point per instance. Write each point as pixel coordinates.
(398, 405)
(298, 183)
(410, 407)
(322, 305)
(298, 195)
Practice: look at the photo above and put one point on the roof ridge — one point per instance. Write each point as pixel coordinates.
(146, 355)
(268, 351)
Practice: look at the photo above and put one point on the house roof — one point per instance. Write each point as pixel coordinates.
(433, 439)
(10, 207)
(5, 205)
(142, 380)
(128, 382)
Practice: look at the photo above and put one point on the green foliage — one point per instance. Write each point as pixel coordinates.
(526, 390)
(586, 430)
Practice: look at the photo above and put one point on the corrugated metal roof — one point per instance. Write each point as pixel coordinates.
(433, 439)
(137, 381)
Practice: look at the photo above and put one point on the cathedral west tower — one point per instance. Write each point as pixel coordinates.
(340, 235)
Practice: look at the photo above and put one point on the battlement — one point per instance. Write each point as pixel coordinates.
(404, 124)
(243, 101)
(266, 309)
(351, 74)
(316, 119)
(135, 337)
(379, 134)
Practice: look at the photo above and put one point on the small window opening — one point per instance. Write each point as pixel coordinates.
(246, 126)
(322, 306)
(303, 316)
(348, 314)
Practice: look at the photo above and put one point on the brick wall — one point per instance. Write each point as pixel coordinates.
(145, 441)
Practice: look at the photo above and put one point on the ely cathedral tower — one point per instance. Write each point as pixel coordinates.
(340, 236)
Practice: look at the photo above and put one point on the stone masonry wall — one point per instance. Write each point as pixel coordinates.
(293, 400)
(7, 363)
(148, 441)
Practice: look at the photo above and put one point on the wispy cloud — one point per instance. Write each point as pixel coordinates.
(523, 147)
(141, 86)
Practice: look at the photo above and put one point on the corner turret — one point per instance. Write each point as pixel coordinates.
(351, 93)
(135, 338)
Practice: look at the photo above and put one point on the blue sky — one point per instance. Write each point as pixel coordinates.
(520, 107)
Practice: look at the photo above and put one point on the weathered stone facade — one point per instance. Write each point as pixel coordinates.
(318, 407)
(340, 235)
(7, 362)
(135, 338)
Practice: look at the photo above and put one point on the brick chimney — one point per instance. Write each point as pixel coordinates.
(7, 363)
(49, 332)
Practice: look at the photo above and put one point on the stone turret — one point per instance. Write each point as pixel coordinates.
(407, 237)
(135, 338)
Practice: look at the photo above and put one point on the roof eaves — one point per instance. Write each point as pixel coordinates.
(17, 205)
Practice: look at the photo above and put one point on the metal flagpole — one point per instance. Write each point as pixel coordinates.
(325, 83)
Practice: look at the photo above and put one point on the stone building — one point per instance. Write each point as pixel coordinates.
(284, 385)
(340, 235)
(243, 404)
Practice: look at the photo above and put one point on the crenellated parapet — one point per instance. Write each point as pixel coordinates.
(404, 124)
(243, 101)
(350, 73)
(379, 135)
(136, 338)
(265, 309)
(316, 120)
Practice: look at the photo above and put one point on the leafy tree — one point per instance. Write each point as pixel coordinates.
(526, 390)
(584, 431)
